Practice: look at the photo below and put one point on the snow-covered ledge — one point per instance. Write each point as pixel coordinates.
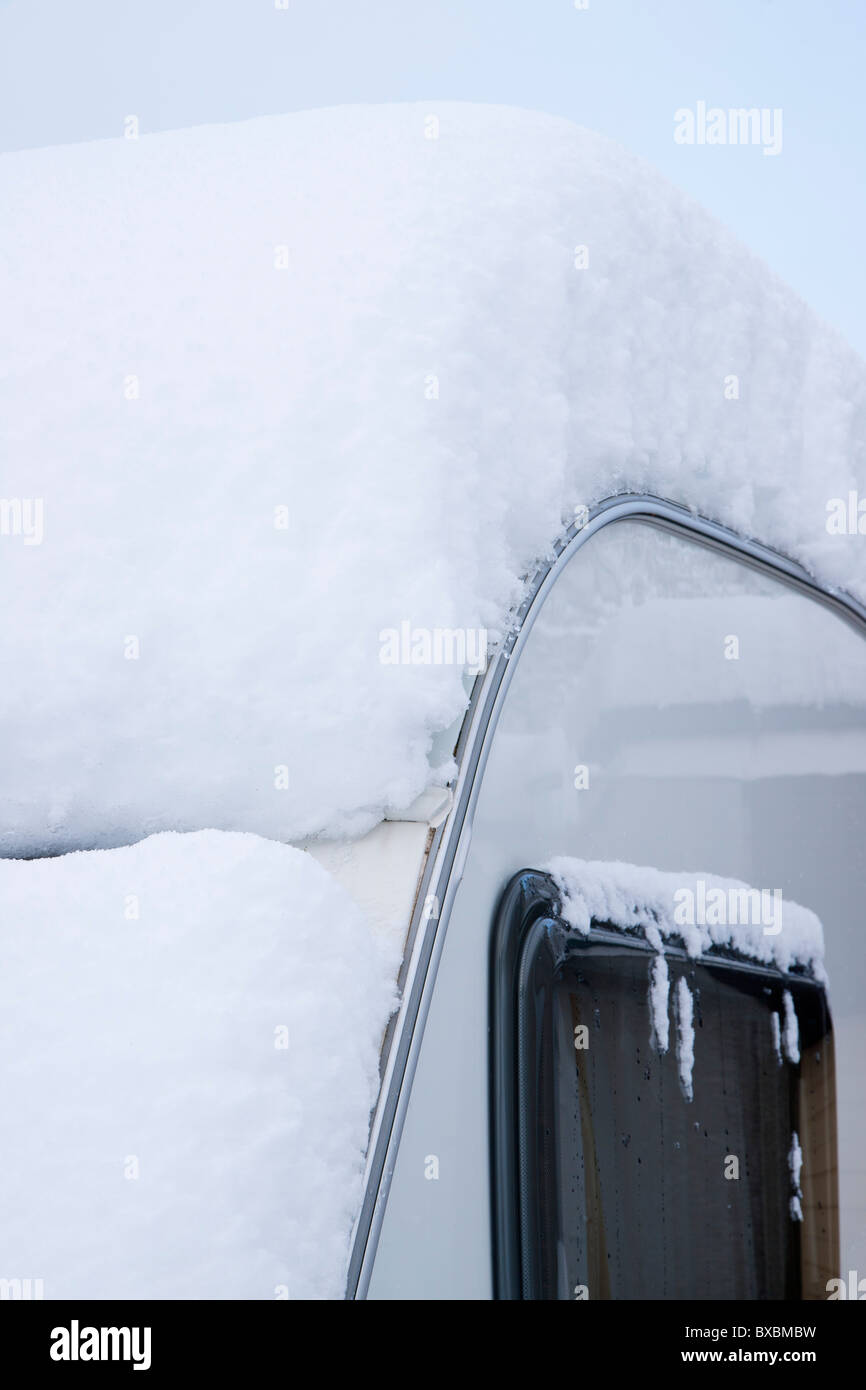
(701, 909)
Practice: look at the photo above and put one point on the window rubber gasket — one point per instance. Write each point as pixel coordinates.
(531, 904)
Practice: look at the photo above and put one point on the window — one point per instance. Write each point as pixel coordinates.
(624, 1169)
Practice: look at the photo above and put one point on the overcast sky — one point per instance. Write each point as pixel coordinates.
(72, 71)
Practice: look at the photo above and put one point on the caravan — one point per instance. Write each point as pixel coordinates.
(418, 723)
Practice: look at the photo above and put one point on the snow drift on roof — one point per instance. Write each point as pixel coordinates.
(190, 1031)
(703, 910)
(281, 385)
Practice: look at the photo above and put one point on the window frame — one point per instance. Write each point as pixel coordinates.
(530, 903)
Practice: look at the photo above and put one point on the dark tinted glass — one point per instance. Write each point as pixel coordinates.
(628, 1188)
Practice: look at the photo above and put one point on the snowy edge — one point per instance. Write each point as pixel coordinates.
(630, 896)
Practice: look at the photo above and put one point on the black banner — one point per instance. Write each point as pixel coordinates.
(218, 1339)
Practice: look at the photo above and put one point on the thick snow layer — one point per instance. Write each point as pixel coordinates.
(190, 1031)
(279, 386)
(702, 909)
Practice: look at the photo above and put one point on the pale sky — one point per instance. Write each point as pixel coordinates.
(72, 71)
